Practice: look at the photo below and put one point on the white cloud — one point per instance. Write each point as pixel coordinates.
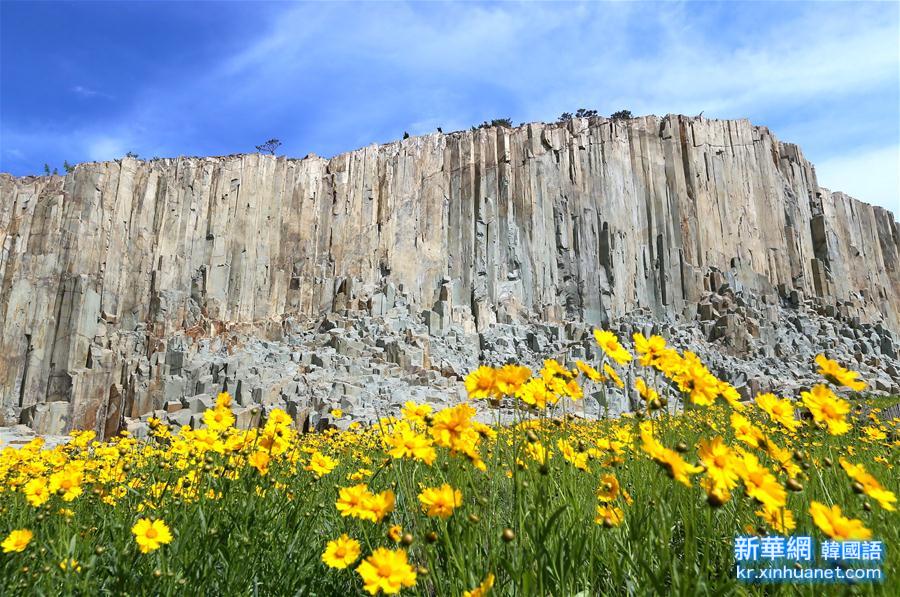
(872, 176)
(87, 92)
(573, 55)
(106, 148)
(84, 91)
(535, 62)
(362, 73)
(692, 66)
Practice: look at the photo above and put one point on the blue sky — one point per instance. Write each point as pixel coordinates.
(90, 81)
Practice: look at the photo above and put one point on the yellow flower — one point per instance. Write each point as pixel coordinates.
(341, 552)
(406, 443)
(151, 534)
(611, 373)
(836, 525)
(395, 533)
(672, 461)
(552, 369)
(611, 516)
(37, 492)
(509, 378)
(650, 444)
(359, 474)
(573, 390)
(337, 413)
(235, 442)
(320, 464)
(695, 380)
(260, 461)
(483, 589)
(677, 467)
(717, 493)
(278, 418)
(70, 564)
(720, 462)
(745, 431)
(352, 500)
(452, 428)
(480, 383)
(652, 351)
(82, 438)
(440, 501)
(610, 345)
(870, 485)
(609, 488)
(377, 506)
(760, 483)
(827, 408)
(783, 457)
(535, 392)
(17, 540)
(206, 440)
(218, 419)
(386, 571)
(223, 400)
(571, 455)
(415, 413)
(780, 411)
(68, 483)
(591, 373)
(485, 431)
(874, 433)
(730, 394)
(537, 452)
(646, 392)
(837, 375)
(781, 520)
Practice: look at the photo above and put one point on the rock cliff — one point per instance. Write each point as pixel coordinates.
(583, 221)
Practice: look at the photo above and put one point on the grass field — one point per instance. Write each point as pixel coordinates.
(435, 503)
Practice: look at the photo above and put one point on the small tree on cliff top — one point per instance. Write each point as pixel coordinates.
(269, 146)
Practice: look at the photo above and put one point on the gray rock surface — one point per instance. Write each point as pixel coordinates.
(118, 277)
(381, 362)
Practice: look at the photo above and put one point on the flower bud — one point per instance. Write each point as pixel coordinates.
(714, 500)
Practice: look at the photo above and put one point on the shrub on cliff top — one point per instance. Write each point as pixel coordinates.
(269, 146)
(501, 122)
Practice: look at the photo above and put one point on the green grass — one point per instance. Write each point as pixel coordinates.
(264, 535)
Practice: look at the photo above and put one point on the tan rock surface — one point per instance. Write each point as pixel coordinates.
(583, 220)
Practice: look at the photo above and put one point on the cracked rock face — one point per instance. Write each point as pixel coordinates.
(115, 274)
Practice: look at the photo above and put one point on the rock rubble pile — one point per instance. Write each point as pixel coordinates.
(368, 365)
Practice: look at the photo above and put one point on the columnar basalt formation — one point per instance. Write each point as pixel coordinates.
(582, 221)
